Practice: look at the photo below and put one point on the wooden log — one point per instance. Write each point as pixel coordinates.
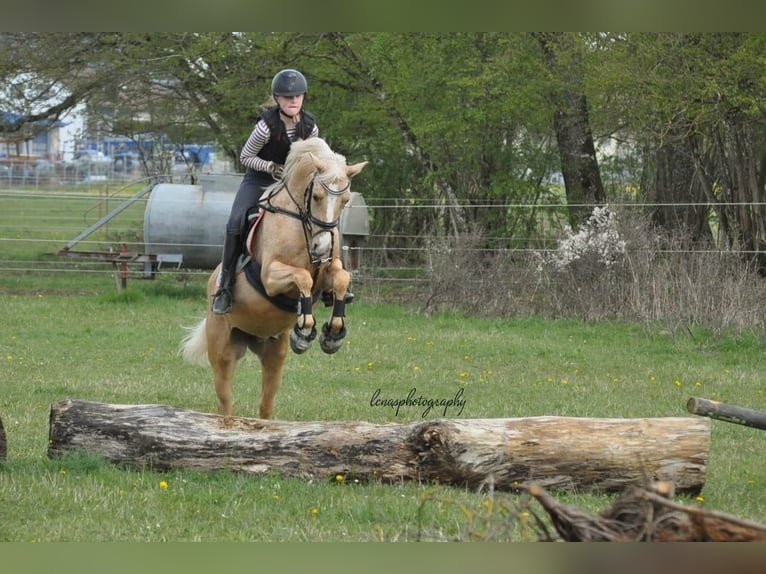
(555, 452)
(728, 413)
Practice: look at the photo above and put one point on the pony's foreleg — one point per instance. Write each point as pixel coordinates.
(334, 330)
(281, 278)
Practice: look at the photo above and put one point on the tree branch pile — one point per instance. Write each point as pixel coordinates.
(645, 515)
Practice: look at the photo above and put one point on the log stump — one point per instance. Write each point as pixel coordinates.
(586, 454)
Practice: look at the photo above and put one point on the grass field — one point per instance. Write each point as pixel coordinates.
(71, 334)
(121, 348)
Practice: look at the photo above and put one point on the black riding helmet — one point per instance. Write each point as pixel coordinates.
(289, 83)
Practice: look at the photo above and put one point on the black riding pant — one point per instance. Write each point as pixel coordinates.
(245, 202)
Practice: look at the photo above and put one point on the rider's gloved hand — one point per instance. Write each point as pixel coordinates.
(276, 170)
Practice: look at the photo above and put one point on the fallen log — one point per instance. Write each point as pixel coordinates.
(728, 413)
(554, 452)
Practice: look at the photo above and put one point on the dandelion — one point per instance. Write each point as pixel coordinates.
(678, 383)
(700, 499)
(338, 478)
(62, 472)
(463, 375)
(370, 365)
(163, 485)
(466, 357)
(698, 384)
(314, 512)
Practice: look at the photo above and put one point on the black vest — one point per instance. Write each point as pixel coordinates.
(278, 146)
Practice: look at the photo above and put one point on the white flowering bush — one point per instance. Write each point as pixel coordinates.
(597, 242)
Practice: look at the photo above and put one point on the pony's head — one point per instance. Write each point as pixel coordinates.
(323, 176)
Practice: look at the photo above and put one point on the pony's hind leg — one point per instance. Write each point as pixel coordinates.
(272, 354)
(224, 350)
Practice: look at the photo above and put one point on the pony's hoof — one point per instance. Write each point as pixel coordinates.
(329, 341)
(299, 343)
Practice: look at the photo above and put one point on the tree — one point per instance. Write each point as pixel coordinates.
(571, 122)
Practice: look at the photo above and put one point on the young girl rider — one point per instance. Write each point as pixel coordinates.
(264, 155)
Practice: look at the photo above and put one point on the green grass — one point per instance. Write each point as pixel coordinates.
(94, 343)
(67, 333)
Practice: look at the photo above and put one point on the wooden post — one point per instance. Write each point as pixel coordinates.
(728, 413)
(555, 452)
(3, 443)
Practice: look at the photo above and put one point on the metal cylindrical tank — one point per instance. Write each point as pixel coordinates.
(190, 220)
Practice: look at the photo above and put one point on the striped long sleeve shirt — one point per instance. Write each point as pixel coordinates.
(259, 138)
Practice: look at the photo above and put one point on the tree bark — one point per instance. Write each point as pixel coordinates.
(554, 452)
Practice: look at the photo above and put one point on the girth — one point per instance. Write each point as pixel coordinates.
(283, 302)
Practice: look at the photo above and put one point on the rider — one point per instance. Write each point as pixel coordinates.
(264, 155)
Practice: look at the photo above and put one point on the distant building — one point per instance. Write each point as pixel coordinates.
(36, 140)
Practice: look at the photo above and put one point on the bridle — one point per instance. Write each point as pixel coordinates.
(308, 219)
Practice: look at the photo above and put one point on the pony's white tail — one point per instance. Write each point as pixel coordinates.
(194, 345)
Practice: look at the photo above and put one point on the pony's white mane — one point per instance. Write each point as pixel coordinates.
(299, 156)
(300, 149)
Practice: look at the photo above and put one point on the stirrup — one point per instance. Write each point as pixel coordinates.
(222, 302)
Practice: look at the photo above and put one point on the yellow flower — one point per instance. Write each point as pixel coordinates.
(163, 485)
(339, 477)
(700, 499)
(314, 512)
(678, 383)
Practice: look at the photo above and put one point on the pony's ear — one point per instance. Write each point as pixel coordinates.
(352, 170)
(320, 165)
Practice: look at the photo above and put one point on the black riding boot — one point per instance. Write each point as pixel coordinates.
(223, 296)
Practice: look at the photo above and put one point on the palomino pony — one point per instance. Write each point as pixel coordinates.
(295, 258)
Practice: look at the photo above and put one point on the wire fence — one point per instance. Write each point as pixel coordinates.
(38, 224)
